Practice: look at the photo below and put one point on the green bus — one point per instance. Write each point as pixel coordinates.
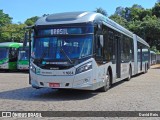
(23, 58)
(9, 55)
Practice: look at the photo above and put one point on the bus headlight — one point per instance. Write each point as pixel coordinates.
(84, 68)
(32, 68)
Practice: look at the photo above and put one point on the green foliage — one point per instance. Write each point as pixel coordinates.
(143, 22)
(4, 19)
(148, 29)
(153, 48)
(144, 13)
(12, 32)
(156, 10)
(135, 13)
(102, 11)
(120, 20)
(31, 21)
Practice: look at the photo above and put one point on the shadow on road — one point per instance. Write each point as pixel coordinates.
(45, 94)
(15, 71)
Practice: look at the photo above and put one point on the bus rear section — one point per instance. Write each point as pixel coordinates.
(142, 55)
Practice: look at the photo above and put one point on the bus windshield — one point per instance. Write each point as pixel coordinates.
(4, 53)
(23, 54)
(74, 47)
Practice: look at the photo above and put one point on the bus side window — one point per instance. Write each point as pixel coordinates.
(110, 45)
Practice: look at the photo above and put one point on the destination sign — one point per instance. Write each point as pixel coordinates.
(59, 31)
(65, 31)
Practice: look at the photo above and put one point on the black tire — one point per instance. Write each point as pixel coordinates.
(7, 70)
(130, 74)
(107, 83)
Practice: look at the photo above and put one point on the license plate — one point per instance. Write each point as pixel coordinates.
(54, 85)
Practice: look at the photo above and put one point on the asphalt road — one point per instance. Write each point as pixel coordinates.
(141, 93)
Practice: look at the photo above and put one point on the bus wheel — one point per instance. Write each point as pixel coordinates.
(130, 74)
(107, 83)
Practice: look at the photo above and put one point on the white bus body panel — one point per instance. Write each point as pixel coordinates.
(4, 66)
(22, 67)
(137, 64)
(135, 55)
(88, 80)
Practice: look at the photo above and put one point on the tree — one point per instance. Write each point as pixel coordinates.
(153, 48)
(31, 21)
(148, 29)
(102, 11)
(144, 13)
(12, 32)
(120, 11)
(156, 10)
(143, 22)
(152, 30)
(134, 12)
(4, 19)
(120, 20)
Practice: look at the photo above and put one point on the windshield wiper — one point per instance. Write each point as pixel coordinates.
(43, 55)
(61, 49)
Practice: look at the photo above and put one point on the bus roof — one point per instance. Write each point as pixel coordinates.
(84, 17)
(66, 18)
(21, 44)
(142, 41)
(10, 44)
(80, 17)
(152, 52)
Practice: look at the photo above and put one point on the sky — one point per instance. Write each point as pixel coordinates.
(20, 10)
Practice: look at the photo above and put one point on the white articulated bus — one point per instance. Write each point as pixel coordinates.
(84, 50)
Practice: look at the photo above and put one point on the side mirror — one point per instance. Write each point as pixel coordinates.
(27, 36)
(100, 41)
(99, 47)
(25, 39)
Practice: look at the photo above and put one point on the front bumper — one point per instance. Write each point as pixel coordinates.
(4, 66)
(23, 67)
(82, 81)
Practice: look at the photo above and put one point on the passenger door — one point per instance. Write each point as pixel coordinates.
(118, 55)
